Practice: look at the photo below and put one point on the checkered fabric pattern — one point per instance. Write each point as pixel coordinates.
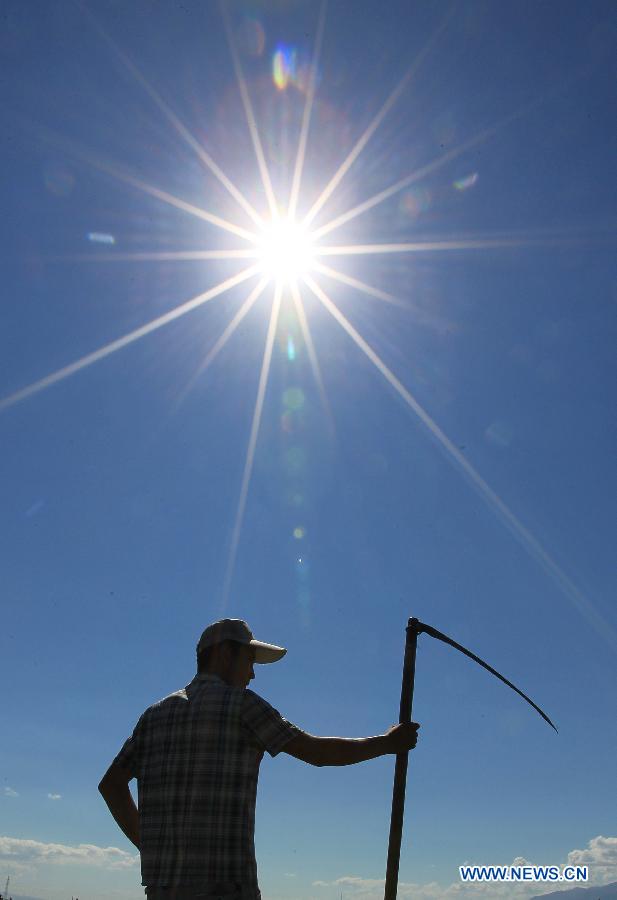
(196, 757)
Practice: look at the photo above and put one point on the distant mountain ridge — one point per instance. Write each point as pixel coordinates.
(605, 892)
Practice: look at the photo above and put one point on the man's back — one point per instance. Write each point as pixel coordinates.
(196, 757)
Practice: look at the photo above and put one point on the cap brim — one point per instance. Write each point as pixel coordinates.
(267, 653)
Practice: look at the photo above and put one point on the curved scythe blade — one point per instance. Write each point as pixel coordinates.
(428, 629)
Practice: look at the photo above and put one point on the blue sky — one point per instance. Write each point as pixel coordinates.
(450, 455)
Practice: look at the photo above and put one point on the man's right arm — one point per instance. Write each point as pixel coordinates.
(114, 787)
(336, 751)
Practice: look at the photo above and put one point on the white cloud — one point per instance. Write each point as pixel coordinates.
(373, 888)
(25, 852)
(54, 796)
(600, 855)
(9, 792)
(290, 875)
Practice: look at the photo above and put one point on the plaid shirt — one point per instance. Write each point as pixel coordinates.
(196, 757)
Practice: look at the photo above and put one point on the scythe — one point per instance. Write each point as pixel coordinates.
(414, 628)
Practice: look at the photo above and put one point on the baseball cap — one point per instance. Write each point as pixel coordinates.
(238, 630)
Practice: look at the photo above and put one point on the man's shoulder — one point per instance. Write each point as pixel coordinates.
(192, 691)
(252, 698)
(248, 700)
(174, 699)
(254, 705)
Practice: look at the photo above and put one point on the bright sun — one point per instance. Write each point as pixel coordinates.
(285, 250)
(290, 253)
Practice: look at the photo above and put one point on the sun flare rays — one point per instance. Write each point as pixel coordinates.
(286, 253)
(250, 453)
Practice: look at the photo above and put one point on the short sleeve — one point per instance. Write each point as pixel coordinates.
(266, 724)
(129, 752)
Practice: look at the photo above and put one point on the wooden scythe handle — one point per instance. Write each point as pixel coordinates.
(400, 771)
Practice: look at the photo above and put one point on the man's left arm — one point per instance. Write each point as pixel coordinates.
(114, 787)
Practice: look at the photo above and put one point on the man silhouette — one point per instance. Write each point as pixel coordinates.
(196, 757)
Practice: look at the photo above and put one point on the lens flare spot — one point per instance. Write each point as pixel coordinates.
(291, 349)
(463, 184)
(415, 202)
(295, 461)
(302, 569)
(299, 532)
(289, 68)
(293, 398)
(252, 37)
(100, 237)
(284, 66)
(287, 424)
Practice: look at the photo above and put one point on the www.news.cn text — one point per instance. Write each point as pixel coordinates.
(524, 873)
